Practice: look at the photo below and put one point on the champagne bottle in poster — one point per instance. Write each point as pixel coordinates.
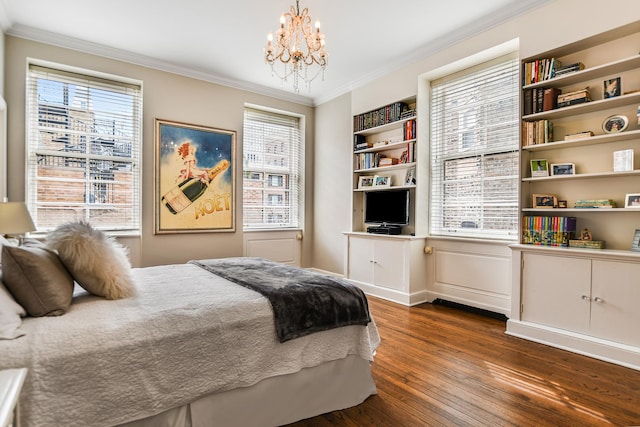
(185, 193)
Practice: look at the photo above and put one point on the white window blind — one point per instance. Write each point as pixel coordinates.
(474, 151)
(83, 150)
(273, 170)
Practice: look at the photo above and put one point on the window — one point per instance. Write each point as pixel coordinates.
(273, 169)
(474, 151)
(83, 149)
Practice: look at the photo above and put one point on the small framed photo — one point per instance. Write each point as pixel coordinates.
(410, 177)
(562, 203)
(612, 88)
(615, 124)
(563, 169)
(539, 167)
(635, 245)
(632, 200)
(365, 181)
(381, 181)
(545, 201)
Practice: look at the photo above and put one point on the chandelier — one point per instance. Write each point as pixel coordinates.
(298, 48)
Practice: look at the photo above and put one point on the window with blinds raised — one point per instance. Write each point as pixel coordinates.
(83, 150)
(474, 152)
(272, 170)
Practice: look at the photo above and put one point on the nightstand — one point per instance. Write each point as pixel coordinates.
(11, 381)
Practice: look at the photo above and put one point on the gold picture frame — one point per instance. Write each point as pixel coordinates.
(195, 178)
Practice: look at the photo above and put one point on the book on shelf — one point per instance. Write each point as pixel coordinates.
(594, 204)
(574, 102)
(623, 160)
(550, 98)
(409, 130)
(570, 68)
(578, 135)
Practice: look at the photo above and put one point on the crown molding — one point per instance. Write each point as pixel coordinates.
(66, 42)
(437, 45)
(432, 47)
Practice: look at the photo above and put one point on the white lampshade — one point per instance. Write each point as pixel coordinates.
(15, 218)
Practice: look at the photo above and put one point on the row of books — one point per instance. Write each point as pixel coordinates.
(382, 116)
(548, 230)
(546, 69)
(540, 70)
(540, 99)
(375, 159)
(538, 132)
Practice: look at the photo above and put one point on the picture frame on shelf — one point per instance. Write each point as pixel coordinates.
(614, 124)
(381, 181)
(410, 177)
(612, 87)
(545, 201)
(562, 204)
(623, 160)
(632, 200)
(365, 181)
(635, 244)
(539, 168)
(563, 169)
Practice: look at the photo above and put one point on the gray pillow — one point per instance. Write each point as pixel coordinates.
(37, 279)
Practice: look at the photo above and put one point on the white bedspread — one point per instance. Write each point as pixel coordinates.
(186, 334)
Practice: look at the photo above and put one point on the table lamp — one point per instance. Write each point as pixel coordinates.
(15, 219)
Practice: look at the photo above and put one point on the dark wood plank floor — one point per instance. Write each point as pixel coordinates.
(442, 366)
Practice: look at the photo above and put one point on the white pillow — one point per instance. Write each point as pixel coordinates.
(11, 314)
(97, 262)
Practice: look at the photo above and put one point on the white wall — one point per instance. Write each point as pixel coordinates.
(332, 183)
(555, 24)
(166, 96)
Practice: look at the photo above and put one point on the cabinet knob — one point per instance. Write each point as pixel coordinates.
(598, 299)
(586, 298)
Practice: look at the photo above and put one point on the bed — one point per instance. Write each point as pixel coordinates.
(189, 348)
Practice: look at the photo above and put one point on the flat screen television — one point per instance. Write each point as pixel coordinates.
(390, 207)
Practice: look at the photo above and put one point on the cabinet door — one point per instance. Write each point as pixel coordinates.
(615, 295)
(389, 268)
(556, 291)
(361, 259)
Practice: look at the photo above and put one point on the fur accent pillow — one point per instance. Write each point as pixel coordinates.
(97, 262)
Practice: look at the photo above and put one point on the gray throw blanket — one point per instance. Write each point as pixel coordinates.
(303, 301)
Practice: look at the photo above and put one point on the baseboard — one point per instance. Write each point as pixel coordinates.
(392, 295)
(486, 302)
(608, 351)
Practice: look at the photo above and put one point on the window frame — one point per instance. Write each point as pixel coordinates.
(439, 155)
(291, 196)
(128, 86)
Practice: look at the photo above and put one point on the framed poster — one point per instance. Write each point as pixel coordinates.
(195, 178)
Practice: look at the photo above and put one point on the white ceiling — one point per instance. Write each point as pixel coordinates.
(223, 41)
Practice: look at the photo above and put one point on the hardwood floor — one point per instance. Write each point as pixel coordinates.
(442, 366)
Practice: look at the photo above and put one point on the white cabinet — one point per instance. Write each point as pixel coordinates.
(390, 267)
(615, 293)
(580, 300)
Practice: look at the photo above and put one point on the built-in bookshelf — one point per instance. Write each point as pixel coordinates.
(575, 137)
(575, 270)
(384, 156)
